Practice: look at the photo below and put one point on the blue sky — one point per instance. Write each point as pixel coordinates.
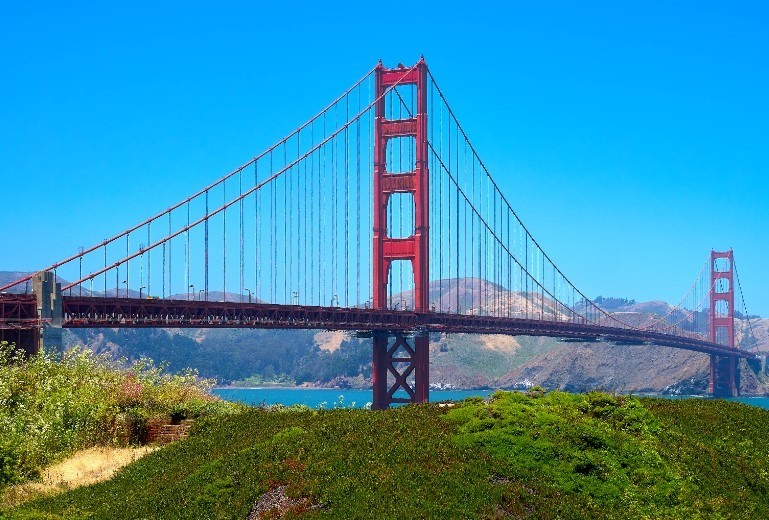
(631, 137)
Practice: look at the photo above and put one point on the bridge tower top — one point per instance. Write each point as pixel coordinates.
(722, 298)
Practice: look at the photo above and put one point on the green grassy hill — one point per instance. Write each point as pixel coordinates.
(537, 455)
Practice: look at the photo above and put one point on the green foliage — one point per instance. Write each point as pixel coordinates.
(51, 405)
(600, 455)
(246, 357)
(598, 447)
(534, 455)
(260, 379)
(350, 359)
(721, 449)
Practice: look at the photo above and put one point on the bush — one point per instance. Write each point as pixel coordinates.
(53, 404)
(595, 446)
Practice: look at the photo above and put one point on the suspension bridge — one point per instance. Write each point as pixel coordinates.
(375, 216)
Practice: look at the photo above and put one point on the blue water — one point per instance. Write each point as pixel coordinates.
(324, 397)
(329, 398)
(759, 402)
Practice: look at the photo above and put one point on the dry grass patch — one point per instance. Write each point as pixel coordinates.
(330, 340)
(81, 469)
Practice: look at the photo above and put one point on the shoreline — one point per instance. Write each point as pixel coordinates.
(278, 387)
(636, 394)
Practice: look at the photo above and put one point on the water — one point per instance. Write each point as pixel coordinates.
(328, 398)
(758, 402)
(316, 397)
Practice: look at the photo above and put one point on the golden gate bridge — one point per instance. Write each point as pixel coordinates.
(376, 216)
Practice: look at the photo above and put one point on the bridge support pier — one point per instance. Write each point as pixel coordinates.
(401, 370)
(49, 313)
(724, 376)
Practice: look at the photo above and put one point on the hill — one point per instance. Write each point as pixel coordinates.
(516, 455)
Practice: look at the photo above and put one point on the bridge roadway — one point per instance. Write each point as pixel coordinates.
(18, 312)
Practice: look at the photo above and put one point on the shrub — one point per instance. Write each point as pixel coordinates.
(600, 447)
(52, 404)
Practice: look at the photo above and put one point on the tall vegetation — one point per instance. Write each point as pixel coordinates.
(53, 404)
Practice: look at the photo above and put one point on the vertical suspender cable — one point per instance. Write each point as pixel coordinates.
(163, 273)
(307, 190)
(286, 221)
(509, 265)
(271, 222)
(312, 236)
(224, 244)
(312, 216)
(187, 254)
(448, 193)
(334, 211)
(370, 162)
(472, 228)
(456, 162)
(526, 268)
(258, 238)
(149, 260)
(170, 264)
(242, 237)
(205, 248)
(300, 253)
(128, 264)
(542, 289)
(465, 240)
(321, 224)
(346, 204)
(494, 253)
(456, 272)
(440, 212)
(357, 203)
(299, 222)
(105, 267)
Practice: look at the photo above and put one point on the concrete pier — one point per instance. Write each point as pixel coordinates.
(49, 311)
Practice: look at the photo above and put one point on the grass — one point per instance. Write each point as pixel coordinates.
(535, 455)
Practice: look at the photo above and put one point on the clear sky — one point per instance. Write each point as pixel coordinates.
(631, 137)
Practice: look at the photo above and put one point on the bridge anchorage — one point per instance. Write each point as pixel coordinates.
(373, 167)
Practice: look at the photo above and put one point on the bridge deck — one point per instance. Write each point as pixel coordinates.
(92, 312)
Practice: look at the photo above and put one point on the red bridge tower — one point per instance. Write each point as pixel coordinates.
(401, 364)
(724, 376)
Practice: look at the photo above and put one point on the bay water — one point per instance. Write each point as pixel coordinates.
(325, 397)
(331, 398)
